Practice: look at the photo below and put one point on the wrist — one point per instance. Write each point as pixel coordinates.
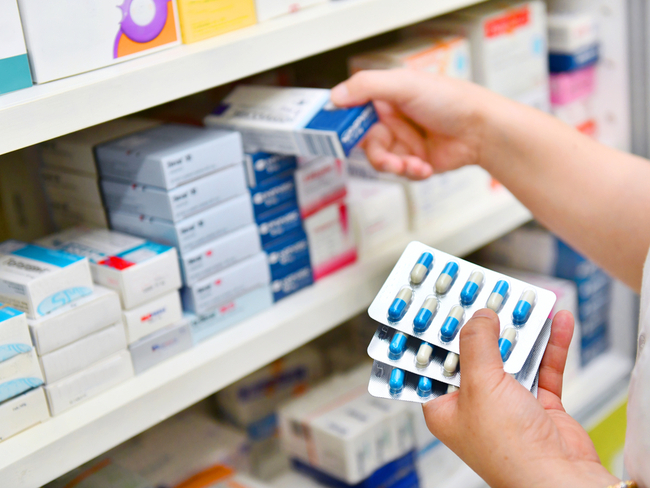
(579, 475)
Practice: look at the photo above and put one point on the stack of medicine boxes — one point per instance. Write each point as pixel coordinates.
(275, 205)
(184, 186)
(144, 275)
(70, 176)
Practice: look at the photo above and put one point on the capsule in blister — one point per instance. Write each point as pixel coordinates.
(450, 364)
(472, 287)
(421, 268)
(452, 388)
(423, 319)
(396, 381)
(524, 307)
(498, 296)
(424, 386)
(400, 304)
(397, 346)
(447, 277)
(507, 343)
(452, 323)
(423, 355)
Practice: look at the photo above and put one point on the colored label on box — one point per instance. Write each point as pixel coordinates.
(561, 62)
(14, 73)
(202, 19)
(279, 223)
(261, 166)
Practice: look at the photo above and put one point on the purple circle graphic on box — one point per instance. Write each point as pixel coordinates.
(143, 20)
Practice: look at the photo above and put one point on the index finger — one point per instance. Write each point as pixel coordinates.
(395, 86)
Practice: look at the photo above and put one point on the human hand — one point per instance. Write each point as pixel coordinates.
(428, 123)
(500, 430)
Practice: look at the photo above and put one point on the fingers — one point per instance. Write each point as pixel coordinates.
(479, 351)
(395, 86)
(403, 130)
(439, 414)
(551, 370)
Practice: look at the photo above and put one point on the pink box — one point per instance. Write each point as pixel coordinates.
(571, 86)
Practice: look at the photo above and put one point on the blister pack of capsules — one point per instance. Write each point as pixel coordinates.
(424, 303)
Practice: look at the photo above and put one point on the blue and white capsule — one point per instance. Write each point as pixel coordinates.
(452, 388)
(396, 381)
(524, 307)
(472, 287)
(423, 356)
(507, 343)
(400, 304)
(447, 277)
(424, 386)
(397, 346)
(421, 269)
(498, 296)
(452, 323)
(451, 364)
(425, 315)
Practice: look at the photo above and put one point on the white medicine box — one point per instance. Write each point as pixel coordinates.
(14, 65)
(68, 37)
(267, 9)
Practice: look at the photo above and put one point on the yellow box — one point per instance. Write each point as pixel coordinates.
(202, 19)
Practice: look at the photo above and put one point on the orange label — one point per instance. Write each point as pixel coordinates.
(126, 46)
(507, 23)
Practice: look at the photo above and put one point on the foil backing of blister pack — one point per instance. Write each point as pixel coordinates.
(400, 277)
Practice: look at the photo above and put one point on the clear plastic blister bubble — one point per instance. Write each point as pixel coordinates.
(456, 273)
(380, 385)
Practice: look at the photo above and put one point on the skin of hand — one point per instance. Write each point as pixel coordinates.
(594, 197)
(500, 430)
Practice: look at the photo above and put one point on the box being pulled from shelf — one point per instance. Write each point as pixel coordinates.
(75, 320)
(192, 232)
(65, 38)
(19, 374)
(138, 270)
(14, 64)
(82, 385)
(160, 345)
(169, 155)
(179, 203)
(298, 121)
(37, 280)
(152, 315)
(261, 166)
(202, 19)
(23, 412)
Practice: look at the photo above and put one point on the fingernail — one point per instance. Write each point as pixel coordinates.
(339, 93)
(485, 313)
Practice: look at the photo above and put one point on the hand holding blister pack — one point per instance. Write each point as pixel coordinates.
(427, 298)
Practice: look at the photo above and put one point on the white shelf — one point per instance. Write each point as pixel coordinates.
(50, 110)
(49, 450)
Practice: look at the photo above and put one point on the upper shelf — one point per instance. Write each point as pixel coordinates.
(43, 112)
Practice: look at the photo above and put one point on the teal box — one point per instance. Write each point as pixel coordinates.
(14, 73)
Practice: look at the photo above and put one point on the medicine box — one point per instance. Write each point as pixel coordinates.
(294, 281)
(279, 223)
(202, 19)
(65, 38)
(169, 155)
(75, 320)
(179, 203)
(287, 254)
(192, 232)
(267, 9)
(570, 32)
(151, 316)
(14, 64)
(66, 186)
(83, 353)
(216, 255)
(14, 333)
(71, 213)
(138, 270)
(261, 166)
(273, 193)
(320, 182)
(292, 121)
(160, 345)
(37, 280)
(19, 374)
(74, 152)
(206, 295)
(22, 412)
(447, 55)
(229, 313)
(87, 383)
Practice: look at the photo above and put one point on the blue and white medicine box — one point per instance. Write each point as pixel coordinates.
(277, 224)
(14, 333)
(272, 194)
(37, 280)
(287, 254)
(261, 166)
(563, 62)
(299, 121)
(572, 41)
(14, 64)
(19, 374)
(291, 283)
(160, 345)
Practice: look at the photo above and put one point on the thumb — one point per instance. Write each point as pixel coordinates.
(394, 86)
(479, 351)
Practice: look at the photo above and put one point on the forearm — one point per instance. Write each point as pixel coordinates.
(595, 198)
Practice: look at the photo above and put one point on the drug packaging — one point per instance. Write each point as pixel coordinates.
(169, 155)
(273, 194)
(569, 32)
(19, 374)
(138, 270)
(152, 315)
(320, 182)
(261, 166)
(23, 412)
(14, 64)
(70, 213)
(287, 254)
(443, 292)
(570, 86)
(179, 203)
(65, 186)
(299, 121)
(65, 38)
(279, 223)
(37, 280)
(80, 354)
(267, 9)
(210, 293)
(160, 345)
(295, 280)
(201, 20)
(82, 385)
(219, 254)
(75, 152)
(229, 313)
(191, 232)
(75, 320)
(14, 333)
